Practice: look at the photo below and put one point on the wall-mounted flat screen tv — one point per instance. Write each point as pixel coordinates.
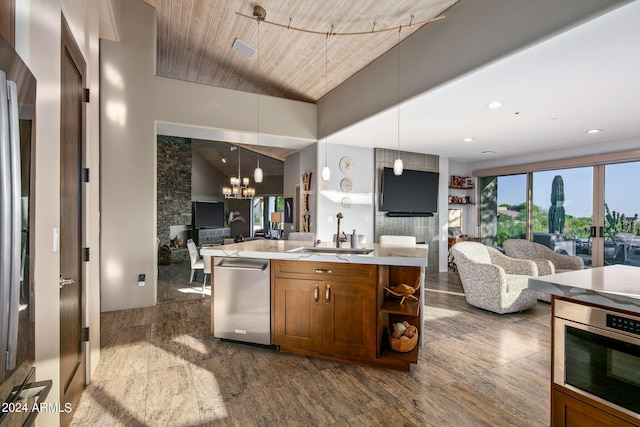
(414, 193)
(208, 215)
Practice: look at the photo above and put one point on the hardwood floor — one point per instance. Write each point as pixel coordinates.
(160, 367)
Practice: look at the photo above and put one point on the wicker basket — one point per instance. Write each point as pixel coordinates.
(403, 346)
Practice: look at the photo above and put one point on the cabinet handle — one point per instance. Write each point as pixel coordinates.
(316, 294)
(321, 271)
(328, 294)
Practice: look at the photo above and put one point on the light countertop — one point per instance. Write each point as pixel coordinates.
(615, 286)
(286, 249)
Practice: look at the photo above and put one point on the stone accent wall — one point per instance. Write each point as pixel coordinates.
(174, 185)
(425, 229)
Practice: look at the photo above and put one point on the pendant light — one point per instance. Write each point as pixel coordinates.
(257, 173)
(326, 173)
(398, 166)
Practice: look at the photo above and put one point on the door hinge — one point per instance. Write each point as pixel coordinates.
(85, 175)
(86, 94)
(85, 334)
(86, 254)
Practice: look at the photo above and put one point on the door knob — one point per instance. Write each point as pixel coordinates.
(64, 282)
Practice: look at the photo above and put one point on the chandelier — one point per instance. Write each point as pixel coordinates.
(239, 186)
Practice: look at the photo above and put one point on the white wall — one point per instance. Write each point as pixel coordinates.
(38, 35)
(134, 101)
(206, 180)
(360, 216)
(292, 180)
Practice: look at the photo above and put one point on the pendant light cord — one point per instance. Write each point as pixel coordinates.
(259, 77)
(326, 78)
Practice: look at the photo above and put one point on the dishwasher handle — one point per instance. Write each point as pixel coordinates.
(248, 266)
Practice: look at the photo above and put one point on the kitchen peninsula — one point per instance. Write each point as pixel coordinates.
(331, 302)
(595, 371)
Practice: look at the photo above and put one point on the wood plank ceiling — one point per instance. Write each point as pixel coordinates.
(195, 39)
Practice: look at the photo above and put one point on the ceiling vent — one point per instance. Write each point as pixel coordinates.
(243, 49)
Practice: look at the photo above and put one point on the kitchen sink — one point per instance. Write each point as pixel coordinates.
(332, 251)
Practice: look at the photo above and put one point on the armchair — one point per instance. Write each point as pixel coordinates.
(524, 249)
(493, 281)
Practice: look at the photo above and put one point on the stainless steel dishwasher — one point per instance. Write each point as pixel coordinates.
(242, 299)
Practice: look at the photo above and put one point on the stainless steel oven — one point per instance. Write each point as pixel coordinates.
(597, 354)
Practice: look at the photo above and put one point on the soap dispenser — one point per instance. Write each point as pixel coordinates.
(354, 240)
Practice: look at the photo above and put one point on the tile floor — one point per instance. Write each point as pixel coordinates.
(161, 367)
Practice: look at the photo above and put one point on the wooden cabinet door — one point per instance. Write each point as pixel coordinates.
(349, 319)
(298, 314)
(567, 411)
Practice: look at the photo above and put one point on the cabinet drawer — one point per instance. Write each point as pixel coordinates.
(299, 269)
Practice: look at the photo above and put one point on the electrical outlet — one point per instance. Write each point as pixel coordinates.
(141, 279)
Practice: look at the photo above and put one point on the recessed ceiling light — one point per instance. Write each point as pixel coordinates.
(495, 104)
(224, 160)
(488, 152)
(594, 130)
(469, 139)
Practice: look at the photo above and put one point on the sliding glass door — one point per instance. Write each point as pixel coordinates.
(512, 208)
(587, 211)
(620, 241)
(562, 202)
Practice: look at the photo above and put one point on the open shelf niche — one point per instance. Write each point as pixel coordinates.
(391, 311)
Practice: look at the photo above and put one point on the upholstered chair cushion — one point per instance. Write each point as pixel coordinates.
(493, 281)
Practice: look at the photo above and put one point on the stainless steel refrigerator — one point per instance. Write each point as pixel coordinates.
(21, 394)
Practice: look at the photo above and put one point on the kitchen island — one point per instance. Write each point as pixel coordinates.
(331, 302)
(595, 371)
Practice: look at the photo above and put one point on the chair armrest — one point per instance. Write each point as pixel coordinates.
(514, 265)
(544, 266)
(566, 262)
(483, 276)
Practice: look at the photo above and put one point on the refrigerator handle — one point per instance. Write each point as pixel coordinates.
(5, 222)
(16, 225)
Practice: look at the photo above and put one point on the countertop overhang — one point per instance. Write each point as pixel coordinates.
(615, 286)
(286, 250)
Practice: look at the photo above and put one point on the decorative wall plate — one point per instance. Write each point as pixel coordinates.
(346, 185)
(346, 202)
(346, 164)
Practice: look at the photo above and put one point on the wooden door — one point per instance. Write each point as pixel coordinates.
(72, 370)
(298, 314)
(8, 20)
(349, 318)
(568, 411)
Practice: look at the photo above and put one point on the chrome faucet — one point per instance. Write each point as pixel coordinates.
(343, 237)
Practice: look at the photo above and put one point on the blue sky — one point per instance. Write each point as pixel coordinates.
(620, 192)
